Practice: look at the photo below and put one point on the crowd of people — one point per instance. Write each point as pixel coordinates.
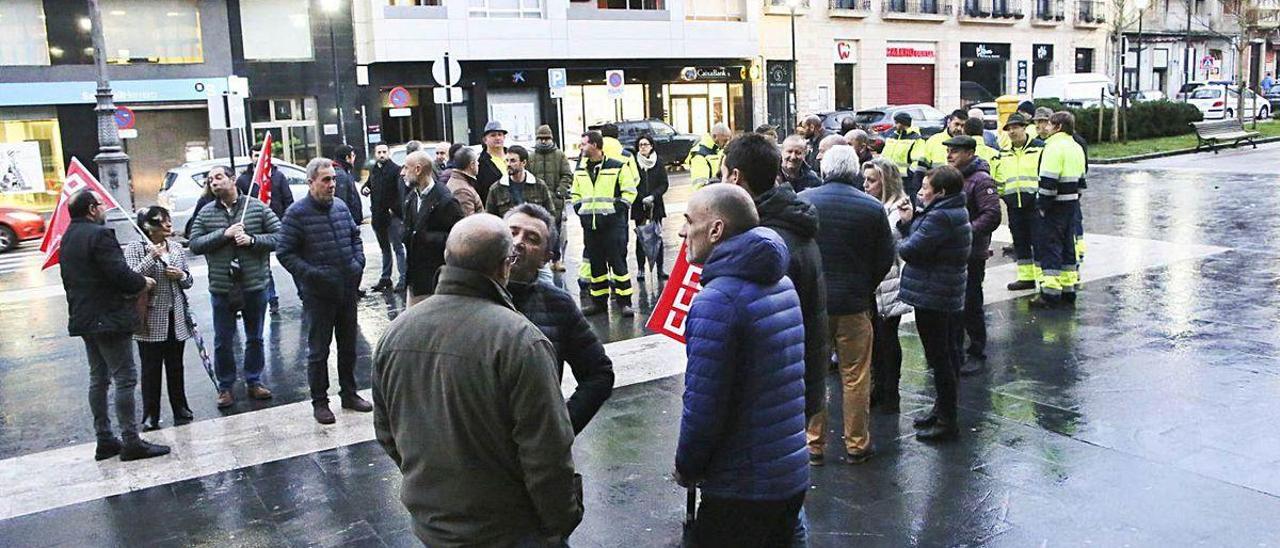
(812, 251)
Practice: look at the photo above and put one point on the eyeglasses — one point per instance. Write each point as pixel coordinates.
(513, 258)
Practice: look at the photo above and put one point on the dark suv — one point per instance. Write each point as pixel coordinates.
(671, 146)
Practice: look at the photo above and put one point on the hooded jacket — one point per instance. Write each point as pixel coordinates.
(983, 203)
(936, 249)
(796, 220)
(857, 248)
(742, 430)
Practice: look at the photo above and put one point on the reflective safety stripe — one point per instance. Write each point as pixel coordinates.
(1048, 191)
(600, 292)
(1067, 197)
(1026, 272)
(600, 279)
(1045, 174)
(624, 291)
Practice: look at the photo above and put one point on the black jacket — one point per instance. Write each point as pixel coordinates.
(348, 192)
(99, 283)
(281, 196)
(804, 180)
(857, 247)
(653, 182)
(487, 175)
(797, 222)
(559, 318)
(425, 232)
(386, 192)
(320, 245)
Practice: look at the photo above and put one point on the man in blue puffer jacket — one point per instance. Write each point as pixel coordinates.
(742, 432)
(320, 245)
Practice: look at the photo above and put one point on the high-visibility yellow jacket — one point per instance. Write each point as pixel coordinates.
(613, 149)
(934, 153)
(902, 148)
(704, 161)
(1017, 172)
(987, 153)
(1062, 167)
(606, 188)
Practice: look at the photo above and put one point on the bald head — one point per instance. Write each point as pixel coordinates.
(731, 204)
(480, 243)
(857, 138)
(418, 168)
(827, 142)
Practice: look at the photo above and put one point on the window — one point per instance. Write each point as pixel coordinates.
(152, 31)
(514, 9)
(1206, 93)
(415, 2)
(22, 34)
(714, 10)
(292, 125)
(661, 130)
(630, 4)
(276, 30)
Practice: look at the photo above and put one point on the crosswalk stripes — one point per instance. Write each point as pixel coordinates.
(25, 257)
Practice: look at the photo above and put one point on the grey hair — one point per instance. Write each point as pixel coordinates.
(831, 141)
(412, 146)
(317, 164)
(796, 140)
(857, 136)
(540, 213)
(464, 158)
(840, 163)
(721, 128)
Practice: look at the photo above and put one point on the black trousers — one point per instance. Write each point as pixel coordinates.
(162, 359)
(325, 321)
(1024, 226)
(975, 319)
(937, 330)
(606, 250)
(886, 361)
(746, 523)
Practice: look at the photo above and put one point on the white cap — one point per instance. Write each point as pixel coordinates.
(976, 113)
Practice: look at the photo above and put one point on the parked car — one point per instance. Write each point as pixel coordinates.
(834, 120)
(1078, 87)
(18, 225)
(671, 145)
(398, 153)
(879, 120)
(1218, 102)
(1187, 88)
(1147, 95)
(1273, 97)
(990, 114)
(973, 92)
(184, 184)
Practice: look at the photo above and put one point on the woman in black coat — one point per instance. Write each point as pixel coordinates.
(935, 248)
(649, 205)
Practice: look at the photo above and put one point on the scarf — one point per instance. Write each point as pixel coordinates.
(647, 162)
(545, 147)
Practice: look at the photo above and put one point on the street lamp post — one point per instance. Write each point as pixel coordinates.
(794, 100)
(113, 163)
(1142, 11)
(330, 8)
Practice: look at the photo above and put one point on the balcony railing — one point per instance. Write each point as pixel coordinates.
(851, 5)
(917, 7)
(990, 9)
(1091, 13)
(1047, 10)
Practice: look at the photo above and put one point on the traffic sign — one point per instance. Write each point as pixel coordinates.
(447, 96)
(615, 81)
(557, 80)
(446, 69)
(125, 119)
(399, 97)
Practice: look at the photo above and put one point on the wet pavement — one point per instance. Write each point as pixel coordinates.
(1145, 417)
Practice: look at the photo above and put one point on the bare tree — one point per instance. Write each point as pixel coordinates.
(1124, 14)
(1251, 21)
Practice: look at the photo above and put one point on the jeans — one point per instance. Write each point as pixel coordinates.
(327, 320)
(111, 362)
(162, 360)
(271, 287)
(937, 330)
(852, 338)
(390, 233)
(746, 523)
(224, 332)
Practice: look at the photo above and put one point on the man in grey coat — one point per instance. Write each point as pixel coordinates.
(467, 403)
(236, 234)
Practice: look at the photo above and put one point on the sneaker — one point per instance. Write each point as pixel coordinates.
(323, 415)
(225, 399)
(628, 311)
(1021, 285)
(140, 449)
(816, 459)
(258, 392)
(107, 448)
(356, 403)
(858, 458)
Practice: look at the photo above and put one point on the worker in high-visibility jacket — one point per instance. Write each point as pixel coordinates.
(704, 159)
(973, 127)
(1041, 119)
(1062, 167)
(602, 193)
(612, 149)
(901, 146)
(1017, 174)
(934, 153)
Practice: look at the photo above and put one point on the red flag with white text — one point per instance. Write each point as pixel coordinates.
(672, 309)
(78, 178)
(262, 172)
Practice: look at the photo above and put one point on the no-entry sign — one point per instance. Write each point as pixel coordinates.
(125, 119)
(398, 96)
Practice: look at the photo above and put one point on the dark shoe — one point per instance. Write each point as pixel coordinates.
(593, 309)
(400, 287)
(107, 448)
(1069, 299)
(150, 425)
(858, 458)
(140, 449)
(183, 417)
(815, 459)
(356, 403)
(323, 415)
(1021, 285)
(663, 275)
(225, 399)
(258, 392)
(1044, 302)
(973, 366)
(628, 311)
(360, 293)
(926, 421)
(274, 306)
(382, 285)
(939, 432)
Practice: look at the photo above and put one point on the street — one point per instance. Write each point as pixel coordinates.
(1145, 417)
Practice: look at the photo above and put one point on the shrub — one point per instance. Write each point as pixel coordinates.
(1145, 120)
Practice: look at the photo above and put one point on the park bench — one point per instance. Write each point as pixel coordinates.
(1214, 133)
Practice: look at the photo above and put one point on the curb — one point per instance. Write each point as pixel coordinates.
(1181, 151)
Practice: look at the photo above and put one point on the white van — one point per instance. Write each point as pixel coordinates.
(1065, 87)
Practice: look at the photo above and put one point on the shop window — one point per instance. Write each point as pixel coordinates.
(22, 34)
(152, 31)
(28, 180)
(67, 31)
(276, 30)
(513, 9)
(845, 90)
(714, 10)
(1084, 60)
(292, 124)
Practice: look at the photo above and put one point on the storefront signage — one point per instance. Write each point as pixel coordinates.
(978, 50)
(20, 167)
(691, 74)
(846, 52)
(398, 97)
(1042, 52)
(911, 53)
(557, 81)
(124, 91)
(1022, 77)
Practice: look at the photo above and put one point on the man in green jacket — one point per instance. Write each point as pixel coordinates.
(467, 403)
(236, 234)
(549, 164)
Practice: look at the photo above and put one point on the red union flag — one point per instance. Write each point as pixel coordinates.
(262, 172)
(672, 310)
(78, 178)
